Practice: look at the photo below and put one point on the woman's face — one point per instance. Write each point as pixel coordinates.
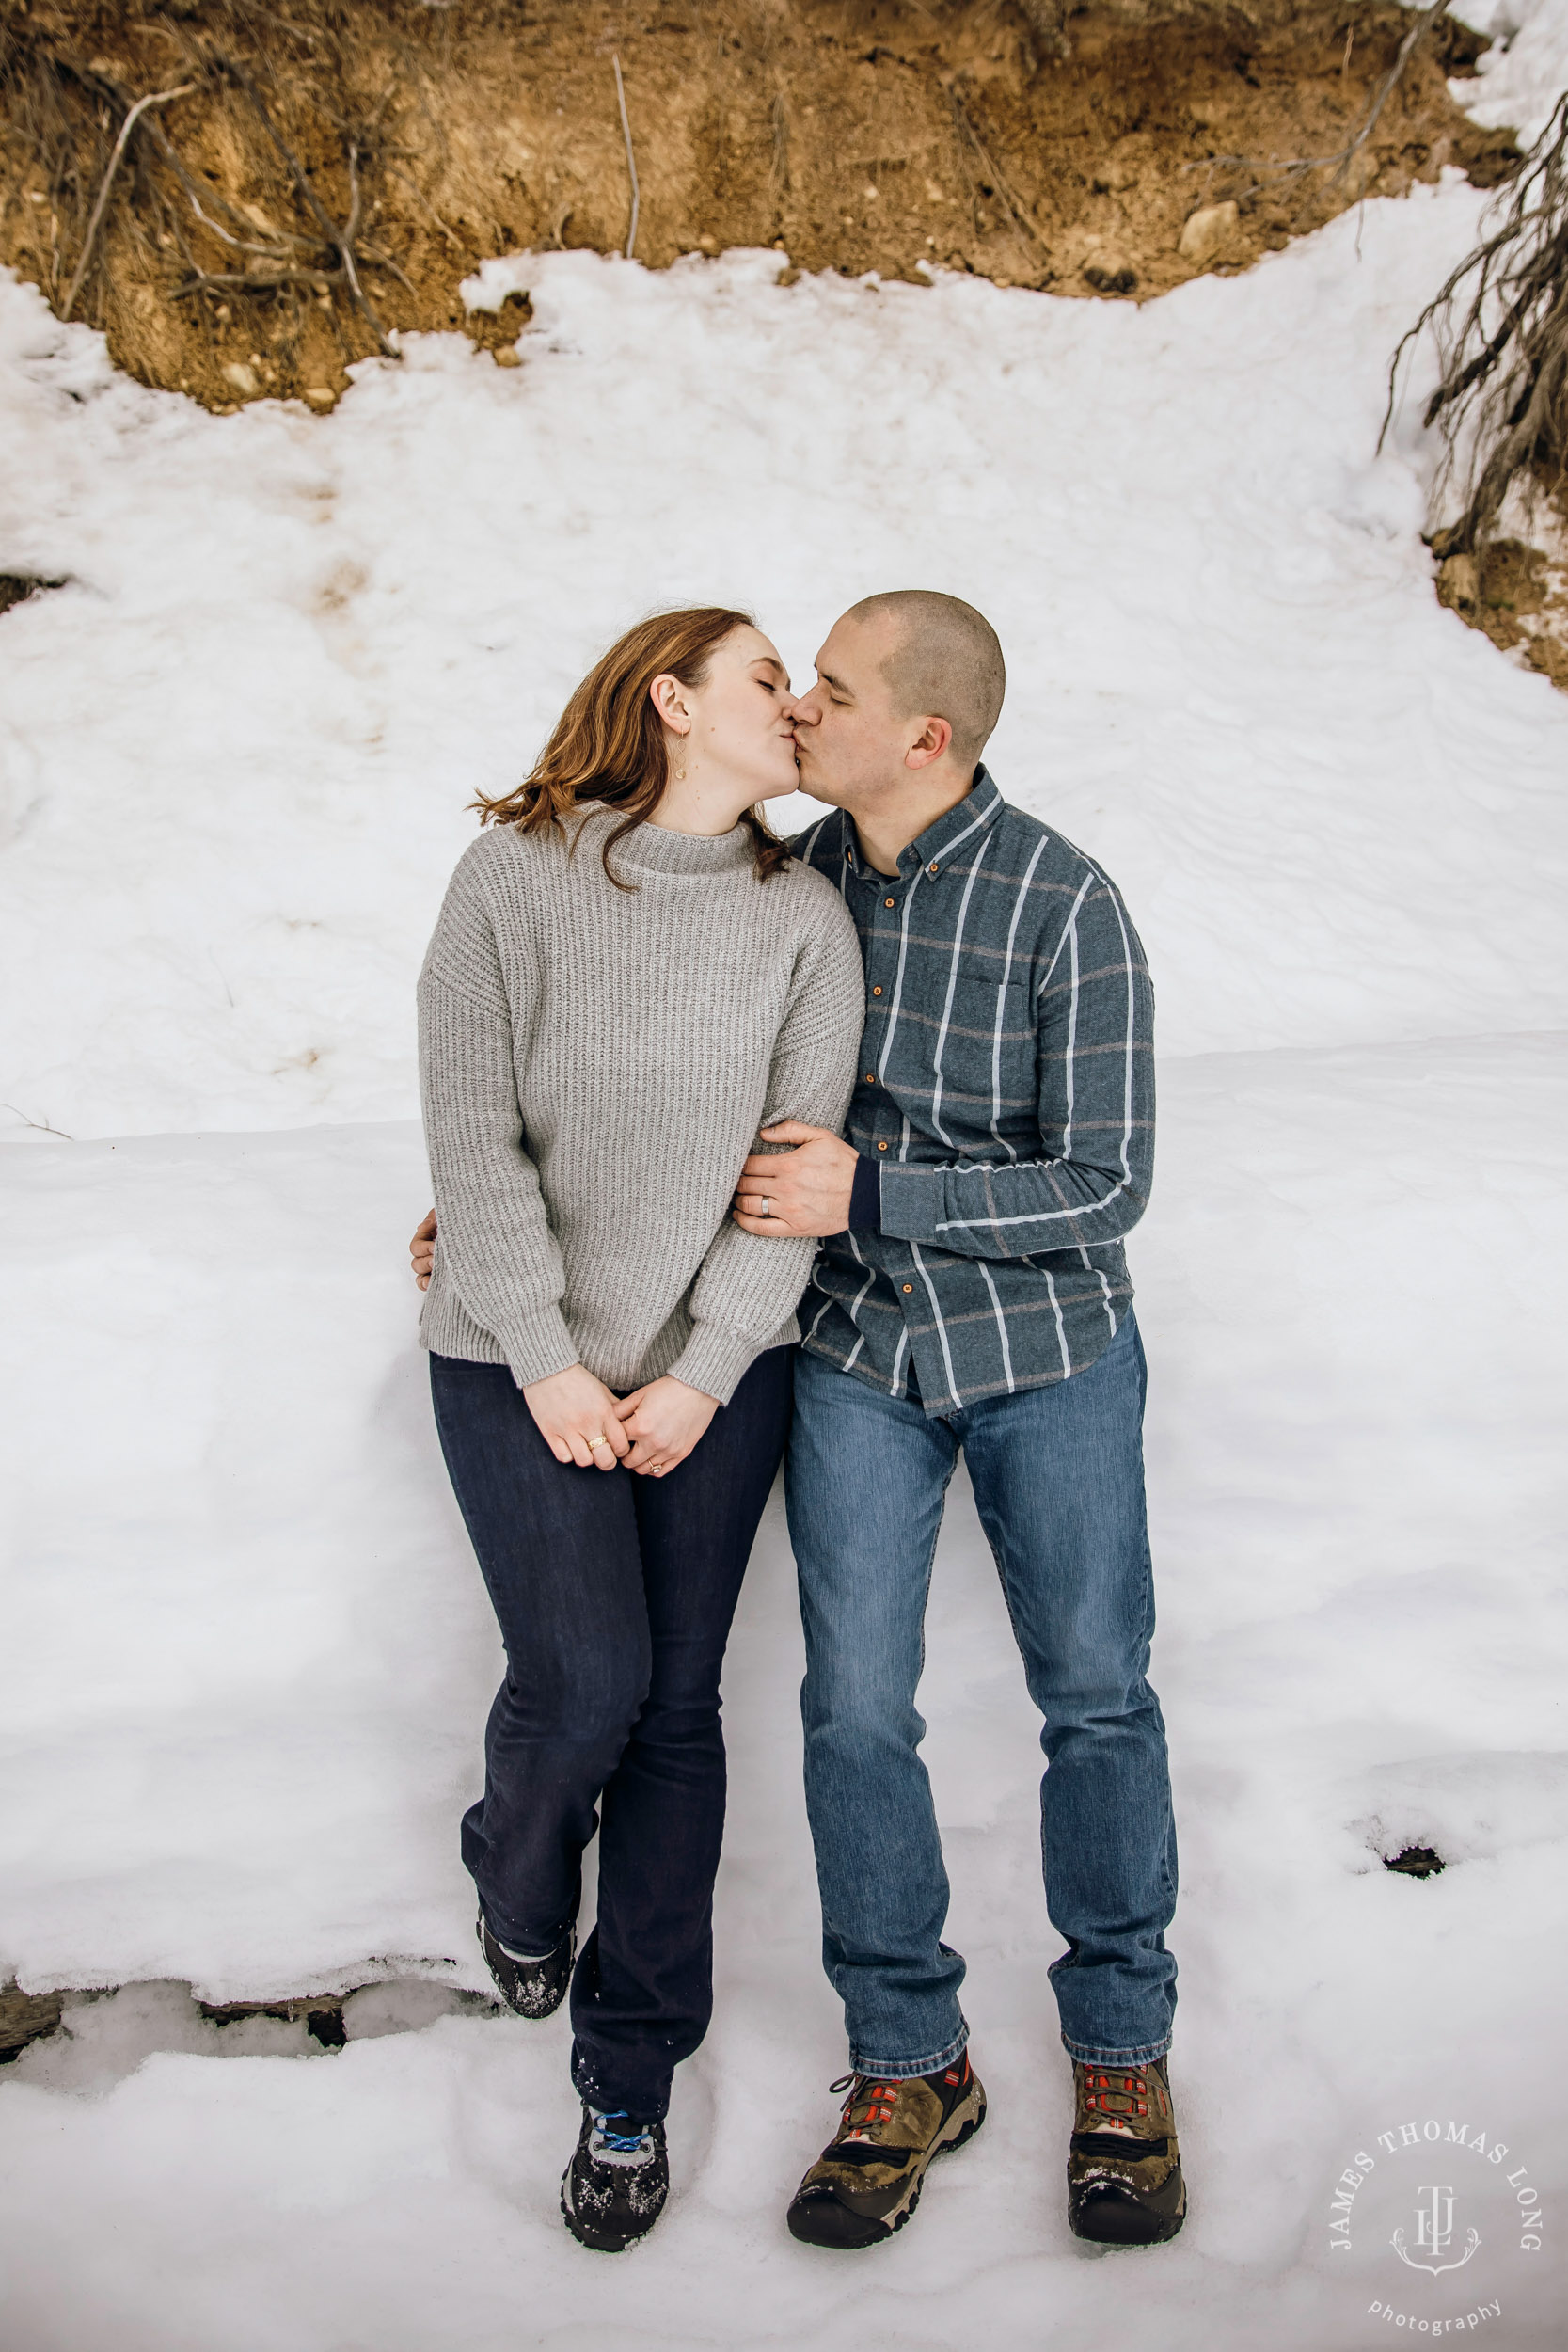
(741, 717)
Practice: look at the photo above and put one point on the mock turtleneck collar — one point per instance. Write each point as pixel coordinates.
(655, 850)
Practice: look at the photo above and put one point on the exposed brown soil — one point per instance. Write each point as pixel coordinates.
(1038, 145)
(25, 2017)
(1517, 595)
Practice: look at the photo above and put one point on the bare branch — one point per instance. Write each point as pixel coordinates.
(631, 159)
(340, 239)
(153, 97)
(1010, 202)
(1299, 167)
(1500, 322)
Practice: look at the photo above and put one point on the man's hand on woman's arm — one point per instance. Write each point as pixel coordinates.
(807, 1189)
(421, 1250)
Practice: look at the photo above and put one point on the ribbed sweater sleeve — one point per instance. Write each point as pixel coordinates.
(751, 1283)
(491, 1228)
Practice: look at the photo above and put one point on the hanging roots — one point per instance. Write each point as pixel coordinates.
(1500, 324)
(109, 158)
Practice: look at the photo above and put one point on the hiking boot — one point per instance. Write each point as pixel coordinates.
(866, 2182)
(614, 2188)
(530, 1988)
(1124, 2184)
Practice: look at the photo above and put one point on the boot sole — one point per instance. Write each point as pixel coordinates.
(862, 2230)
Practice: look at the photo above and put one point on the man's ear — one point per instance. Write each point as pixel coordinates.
(929, 745)
(668, 696)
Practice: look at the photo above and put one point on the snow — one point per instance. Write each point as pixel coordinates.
(241, 745)
(247, 1653)
(1525, 71)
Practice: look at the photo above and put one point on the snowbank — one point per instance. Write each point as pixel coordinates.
(240, 747)
(248, 1665)
(1525, 71)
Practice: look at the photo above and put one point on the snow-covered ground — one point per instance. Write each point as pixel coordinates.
(244, 1652)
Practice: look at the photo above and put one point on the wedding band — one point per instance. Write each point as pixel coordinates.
(600, 1440)
(766, 1204)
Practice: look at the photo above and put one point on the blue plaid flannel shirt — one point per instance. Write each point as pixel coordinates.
(1005, 1093)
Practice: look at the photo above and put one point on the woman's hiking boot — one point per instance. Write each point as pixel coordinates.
(614, 2188)
(866, 2182)
(1124, 2184)
(530, 1987)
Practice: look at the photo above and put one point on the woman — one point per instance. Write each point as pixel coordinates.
(628, 979)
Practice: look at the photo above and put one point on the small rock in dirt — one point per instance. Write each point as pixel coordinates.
(1458, 584)
(1111, 281)
(319, 395)
(1207, 231)
(706, 244)
(241, 377)
(508, 357)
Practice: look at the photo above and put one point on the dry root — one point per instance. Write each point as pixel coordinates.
(1501, 328)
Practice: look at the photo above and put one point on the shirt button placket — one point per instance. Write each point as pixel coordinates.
(878, 973)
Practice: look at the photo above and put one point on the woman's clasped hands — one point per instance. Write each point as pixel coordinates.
(650, 1430)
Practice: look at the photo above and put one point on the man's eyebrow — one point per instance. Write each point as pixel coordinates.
(837, 684)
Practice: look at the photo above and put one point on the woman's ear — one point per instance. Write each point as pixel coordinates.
(668, 696)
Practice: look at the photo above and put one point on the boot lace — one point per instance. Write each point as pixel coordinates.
(868, 2105)
(1117, 2096)
(636, 2142)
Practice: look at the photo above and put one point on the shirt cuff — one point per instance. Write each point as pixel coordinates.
(865, 1198)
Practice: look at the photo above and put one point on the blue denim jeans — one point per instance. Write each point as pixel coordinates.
(614, 1596)
(1057, 1474)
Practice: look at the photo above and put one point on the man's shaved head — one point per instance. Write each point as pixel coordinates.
(945, 661)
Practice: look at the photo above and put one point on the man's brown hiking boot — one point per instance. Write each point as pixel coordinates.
(1124, 2184)
(866, 2182)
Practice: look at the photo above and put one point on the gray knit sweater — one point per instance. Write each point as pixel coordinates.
(595, 1067)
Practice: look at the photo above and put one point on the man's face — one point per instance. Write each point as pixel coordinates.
(850, 743)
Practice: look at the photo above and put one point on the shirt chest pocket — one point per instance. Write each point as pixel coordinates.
(984, 1051)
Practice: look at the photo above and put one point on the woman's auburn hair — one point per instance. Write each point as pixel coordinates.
(610, 744)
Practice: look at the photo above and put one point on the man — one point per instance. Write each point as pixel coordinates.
(971, 1294)
(974, 1294)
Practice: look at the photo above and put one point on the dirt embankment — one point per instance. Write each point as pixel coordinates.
(1515, 591)
(329, 172)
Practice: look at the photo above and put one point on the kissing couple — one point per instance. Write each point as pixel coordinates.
(822, 1152)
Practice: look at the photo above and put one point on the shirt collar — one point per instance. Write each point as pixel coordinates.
(974, 813)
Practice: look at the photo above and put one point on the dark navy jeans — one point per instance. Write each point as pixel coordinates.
(614, 1596)
(1057, 1474)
